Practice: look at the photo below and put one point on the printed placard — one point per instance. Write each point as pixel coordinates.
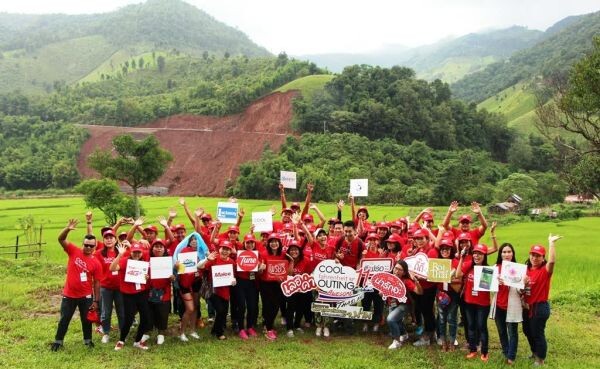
(418, 264)
(485, 278)
(262, 221)
(227, 212)
(136, 271)
(344, 312)
(161, 267)
(222, 275)
(298, 284)
(513, 274)
(334, 281)
(368, 267)
(359, 187)
(288, 179)
(276, 270)
(439, 270)
(247, 261)
(389, 285)
(187, 262)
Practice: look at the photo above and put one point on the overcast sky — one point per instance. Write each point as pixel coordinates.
(325, 26)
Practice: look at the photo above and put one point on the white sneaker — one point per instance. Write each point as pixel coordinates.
(105, 338)
(299, 330)
(404, 338)
(455, 342)
(283, 321)
(421, 342)
(440, 341)
(145, 338)
(325, 332)
(195, 335)
(160, 339)
(141, 345)
(183, 338)
(365, 328)
(395, 345)
(318, 331)
(290, 333)
(376, 328)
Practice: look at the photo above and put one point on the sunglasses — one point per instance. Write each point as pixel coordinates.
(89, 245)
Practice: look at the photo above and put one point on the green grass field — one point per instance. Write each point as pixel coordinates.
(307, 85)
(513, 102)
(115, 62)
(455, 68)
(30, 297)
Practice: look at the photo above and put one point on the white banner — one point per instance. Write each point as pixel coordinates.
(227, 212)
(161, 267)
(136, 271)
(288, 179)
(359, 187)
(513, 274)
(263, 221)
(222, 275)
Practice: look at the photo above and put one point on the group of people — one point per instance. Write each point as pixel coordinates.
(96, 279)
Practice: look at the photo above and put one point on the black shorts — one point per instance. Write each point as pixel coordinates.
(194, 288)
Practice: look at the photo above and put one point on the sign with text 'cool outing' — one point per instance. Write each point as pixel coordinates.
(262, 221)
(288, 179)
(227, 212)
(335, 282)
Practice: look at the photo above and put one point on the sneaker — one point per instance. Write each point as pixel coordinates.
(485, 357)
(283, 321)
(160, 339)
(440, 342)
(211, 319)
(290, 333)
(90, 344)
(404, 338)
(105, 338)
(325, 332)
(421, 342)
(318, 331)
(271, 335)
(243, 335)
(119, 345)
(376, 328)
(183, 338)
(56, 346)
(455, 342)
(141, 345)
(251, 332)
(195, 335)
(471, 355)
(395, 345)
(419, 330)
(299, 330)
(365, 328)
(145, 338)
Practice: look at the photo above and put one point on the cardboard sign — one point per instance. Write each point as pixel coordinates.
(227, 212)
(439, 270)
(136, 271)
(368, 267)
(276, 270)
(262, 221)
(485, 278)
(389, 285)
(247, 261)
(222, 275)
(359, 187)
(187, 262)
(513, 274)
(334, 281)
(161, 267)
(418, 264)
(288, 179)
(345, 312)
(298, 284)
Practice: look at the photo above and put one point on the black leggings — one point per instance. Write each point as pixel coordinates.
(132, 303)
(159, 315)
(272, 299)
(424, 305)
(221, 306)
(247, 299)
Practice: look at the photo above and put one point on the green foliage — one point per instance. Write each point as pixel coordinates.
(105, 195)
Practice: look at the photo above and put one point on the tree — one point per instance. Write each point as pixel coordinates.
(105, 195)
(160, 62)
(138, 163)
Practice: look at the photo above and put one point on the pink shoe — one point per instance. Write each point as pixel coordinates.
(243, 335)
(251, 332)
(271, 336)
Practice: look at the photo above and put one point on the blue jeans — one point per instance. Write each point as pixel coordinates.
(67, 309)
(448, 317)
(534, 327)
(395, 320)
(477, 320)
(509, 334)
(110, 297)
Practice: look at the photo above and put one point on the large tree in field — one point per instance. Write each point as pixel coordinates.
(137, 163)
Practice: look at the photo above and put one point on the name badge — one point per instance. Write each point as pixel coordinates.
(138, 287)
(252, 276)
(83, 276)
(474, 293)
(116, 272)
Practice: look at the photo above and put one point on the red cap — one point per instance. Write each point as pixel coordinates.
(396, 224)
(395, 238)
(420, 233)
(273, 236)
(158, 240)
(383, 225)
(293, 243)
(295, 205)
(363, 208)
(464, 219)
(464, 236)
(265, 232)
(480, 248)
(447, 242)
(403, 220)
(108, 232)
(249, 237)
(122, 234)
(227, 244)
(179, 226)
(287, 210)
(233, 228)
(311, 228)
(332, 220)
(368, 227)
(212, 224)
(151, 228)
(136, 247)
(410, 233)
(427, 217)
(206, 216)
(372, 236)
(538, 249)
(104, 229)
(308, 217)
(448, 234)
(288, 227)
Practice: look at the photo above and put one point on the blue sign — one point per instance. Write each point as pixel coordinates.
(227, 212)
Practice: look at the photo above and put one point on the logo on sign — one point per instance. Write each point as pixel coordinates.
(418, 264)
(334, 281)
(226, 212)
(389, 285)
(247, 261)
(298, 283)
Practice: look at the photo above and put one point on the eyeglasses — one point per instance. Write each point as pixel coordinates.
(89, 245)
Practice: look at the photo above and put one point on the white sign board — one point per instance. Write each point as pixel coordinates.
(262, 221)
(485, 278)
(288, 179)
(136, 271)
(222, 275)
(161, 267)
(513, 274)
(227, 212)
(187, 262)
(359, 187)
(373, 266)
(418, 264)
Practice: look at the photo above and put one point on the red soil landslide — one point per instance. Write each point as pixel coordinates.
(206, 150)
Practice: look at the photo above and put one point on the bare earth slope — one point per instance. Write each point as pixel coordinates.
(206, 150)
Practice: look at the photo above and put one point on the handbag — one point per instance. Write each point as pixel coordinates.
(156, 295)
(206, 289)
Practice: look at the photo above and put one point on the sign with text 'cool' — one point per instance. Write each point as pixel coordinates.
(263, 221)
(227, 212)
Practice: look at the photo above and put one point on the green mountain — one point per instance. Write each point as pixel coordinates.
(39, 51)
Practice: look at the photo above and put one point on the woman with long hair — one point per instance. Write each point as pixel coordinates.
(159, 298)
(109, 286)
(398, 310)
(270, 291)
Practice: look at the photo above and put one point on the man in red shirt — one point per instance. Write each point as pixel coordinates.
(348, 250)
(465, 222)
(82, 285)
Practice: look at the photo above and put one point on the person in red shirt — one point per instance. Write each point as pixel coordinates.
(159, 298)
(270, 291)
(135, 297)
(296, 303)
(221, 295)
(537, 289)
(393, 247)
(349, 248)
(82, 286)
(109, 286)
(247, 295)
(477, 302)
(447, 298)
(372, 251)
(465, 222)
(395, 318)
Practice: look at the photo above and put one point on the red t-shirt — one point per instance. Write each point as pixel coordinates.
(266, 256)
(432, 253)
(110, 279)
(82, 270)
(223, 292)
(128, 287)
(502, 295)
(539, 284)
(163, 284)
(352, 252)
(410, 287)
(319, 254)
(302, 267)
(475, 234)
(481, 298)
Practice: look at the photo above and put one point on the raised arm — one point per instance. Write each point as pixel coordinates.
(114, 266)
(168, 233)
(62, 236)
(551, 253)
(240, 217)
(282, 196)
(494, 247)
(352, 208)
(476, 208)
(187, 210)
(309, 189)
(88, 220)
(172, 215)
(340, 206)
(309, 235)
(198, 220)
(451, 210)
(420, 215)
(319, 214)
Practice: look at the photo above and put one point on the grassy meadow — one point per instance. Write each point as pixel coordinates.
(31, 287)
